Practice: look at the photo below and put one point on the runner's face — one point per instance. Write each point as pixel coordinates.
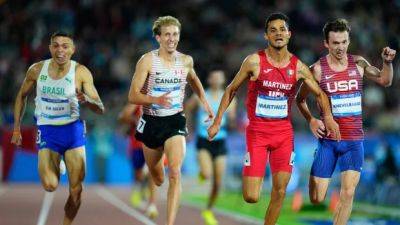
(278, 34)
(216, 79)
(61, 49)
(337, 44)
(169, 38)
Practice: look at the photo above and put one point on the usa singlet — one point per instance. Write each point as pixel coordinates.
(344, 89)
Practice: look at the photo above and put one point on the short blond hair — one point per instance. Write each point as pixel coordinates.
(165, 21)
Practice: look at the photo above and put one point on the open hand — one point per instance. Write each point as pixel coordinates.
(317, 127)
(212, 131)
(332, 128)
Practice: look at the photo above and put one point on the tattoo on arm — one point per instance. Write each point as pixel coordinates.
(305, 74)
(362, 63)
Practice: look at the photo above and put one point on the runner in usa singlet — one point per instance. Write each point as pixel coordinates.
(344, 89)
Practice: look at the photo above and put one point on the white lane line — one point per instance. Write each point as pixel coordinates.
(118, 203)
(44, 212)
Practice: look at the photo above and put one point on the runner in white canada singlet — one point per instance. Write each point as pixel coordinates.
(163, 80)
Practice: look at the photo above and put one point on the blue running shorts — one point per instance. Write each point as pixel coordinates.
(60, 138)
(349, 155)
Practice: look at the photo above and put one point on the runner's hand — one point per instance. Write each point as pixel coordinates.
(16, 138)
(332, 128)
(82, 98)
(317, 127)
(388, 54)
(164, 100)
(212, 131)
(209, 112)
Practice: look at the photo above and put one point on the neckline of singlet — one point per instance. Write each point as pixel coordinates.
(157, 53)
(66, 75)
(350, 62)
(279, 68)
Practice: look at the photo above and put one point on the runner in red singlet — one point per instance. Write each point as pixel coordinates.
(272, 75)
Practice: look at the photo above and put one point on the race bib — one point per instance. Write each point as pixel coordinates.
(175, 95)
(346, 104)
(56, 108)
(38, 137)
(271, 107)
(140, 125)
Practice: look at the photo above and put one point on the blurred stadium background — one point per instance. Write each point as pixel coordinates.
(112, 35)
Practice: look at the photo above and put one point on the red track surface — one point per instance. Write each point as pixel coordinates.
(22, 204)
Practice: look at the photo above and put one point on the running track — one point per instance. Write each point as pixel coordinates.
(30, 205)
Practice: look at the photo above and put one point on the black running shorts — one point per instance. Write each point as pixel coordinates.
(215, 148)
(153, 131)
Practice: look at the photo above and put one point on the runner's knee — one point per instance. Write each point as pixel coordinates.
(50, 186)
(205, 173)
(158, 179)
(75, 192)
(251, 196)
(174, 174)
(347, 194)
(317, 199)
(279, 193)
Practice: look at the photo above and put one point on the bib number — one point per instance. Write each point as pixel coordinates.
(38, 137)
(346, 104)
(140, 126)
(271, 107)
(56, 108)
